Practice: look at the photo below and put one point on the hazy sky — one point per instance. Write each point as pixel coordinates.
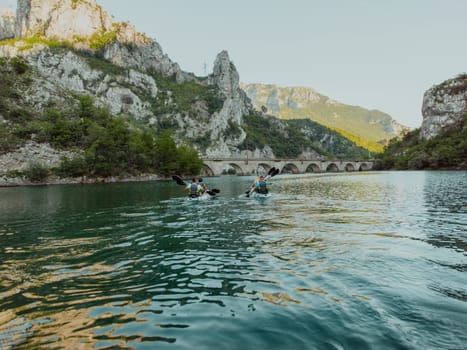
(377, 54)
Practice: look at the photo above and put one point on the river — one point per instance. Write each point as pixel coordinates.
(372, 260)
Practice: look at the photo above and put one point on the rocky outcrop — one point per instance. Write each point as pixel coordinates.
(225, 76)
(34, 152)
(7, 24)
(67, 20)
(443, 106)
(85, 25)
(146, 56)
(119, 92)
(236, 105)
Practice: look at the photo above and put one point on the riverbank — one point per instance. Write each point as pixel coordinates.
(6, 181)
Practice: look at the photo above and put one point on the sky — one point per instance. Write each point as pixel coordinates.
(377, 54)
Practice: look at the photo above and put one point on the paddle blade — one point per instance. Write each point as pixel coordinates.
(271, 171)
(178, 180)
(213, 192)
(277, 171)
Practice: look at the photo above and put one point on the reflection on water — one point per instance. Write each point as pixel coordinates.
(367, 260)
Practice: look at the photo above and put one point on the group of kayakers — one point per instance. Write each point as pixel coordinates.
(198, 187)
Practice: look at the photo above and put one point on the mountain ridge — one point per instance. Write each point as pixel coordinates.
(373, 127)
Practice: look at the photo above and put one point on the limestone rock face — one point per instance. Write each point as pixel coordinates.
(119, 92)
(129, 87)
(225, 75)
(227, 79)
(443, 106)
(236, 105)
(147, 56)
(33, 152)
(7, 24)
(86, 25)
(64, 19)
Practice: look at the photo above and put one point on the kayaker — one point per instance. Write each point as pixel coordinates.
(262, 185)
(193, 189)
(204, 187)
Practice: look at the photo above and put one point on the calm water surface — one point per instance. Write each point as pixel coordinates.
(331, 261)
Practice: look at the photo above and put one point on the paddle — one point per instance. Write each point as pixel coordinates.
(271, 173)
(213, 192)
(274, 173)
(180, 182)
(272, 170)
(247, 192)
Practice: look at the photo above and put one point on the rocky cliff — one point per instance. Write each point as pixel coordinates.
(76, 45)
(444, 106)
(64, 50)
(7, 23)
(85, 25)
(64, 19)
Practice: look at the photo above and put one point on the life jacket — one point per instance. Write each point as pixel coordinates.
(262, 187)
(194, 190)
(203, 186)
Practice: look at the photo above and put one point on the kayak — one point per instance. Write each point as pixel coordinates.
(203, 197)
(206, 195)
(260, 196)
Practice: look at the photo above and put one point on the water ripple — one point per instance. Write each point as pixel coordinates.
(349, 261)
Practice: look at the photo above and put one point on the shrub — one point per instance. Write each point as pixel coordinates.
(36, 172)
(20, 65)
(74, 167)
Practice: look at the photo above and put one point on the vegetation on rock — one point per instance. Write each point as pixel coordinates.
(288, 139)
(370, 129)
(105, 145)
(447, 150)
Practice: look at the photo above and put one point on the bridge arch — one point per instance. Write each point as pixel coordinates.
(207, 171)
(332, 168)
(233, 169)
(266, 167)
(313, 168)
(364, 167)
(290, 168)
(349, 167)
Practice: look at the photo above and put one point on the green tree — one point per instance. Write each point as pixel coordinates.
(107, 156)
(142, 151)
(446, 150)
(166, 155)
(189, 162)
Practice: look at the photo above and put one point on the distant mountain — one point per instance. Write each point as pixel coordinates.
(368, 128)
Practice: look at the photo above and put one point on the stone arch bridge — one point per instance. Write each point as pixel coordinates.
(244, 166)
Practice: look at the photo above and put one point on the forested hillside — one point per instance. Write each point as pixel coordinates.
(371, 129)
(447, 150)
